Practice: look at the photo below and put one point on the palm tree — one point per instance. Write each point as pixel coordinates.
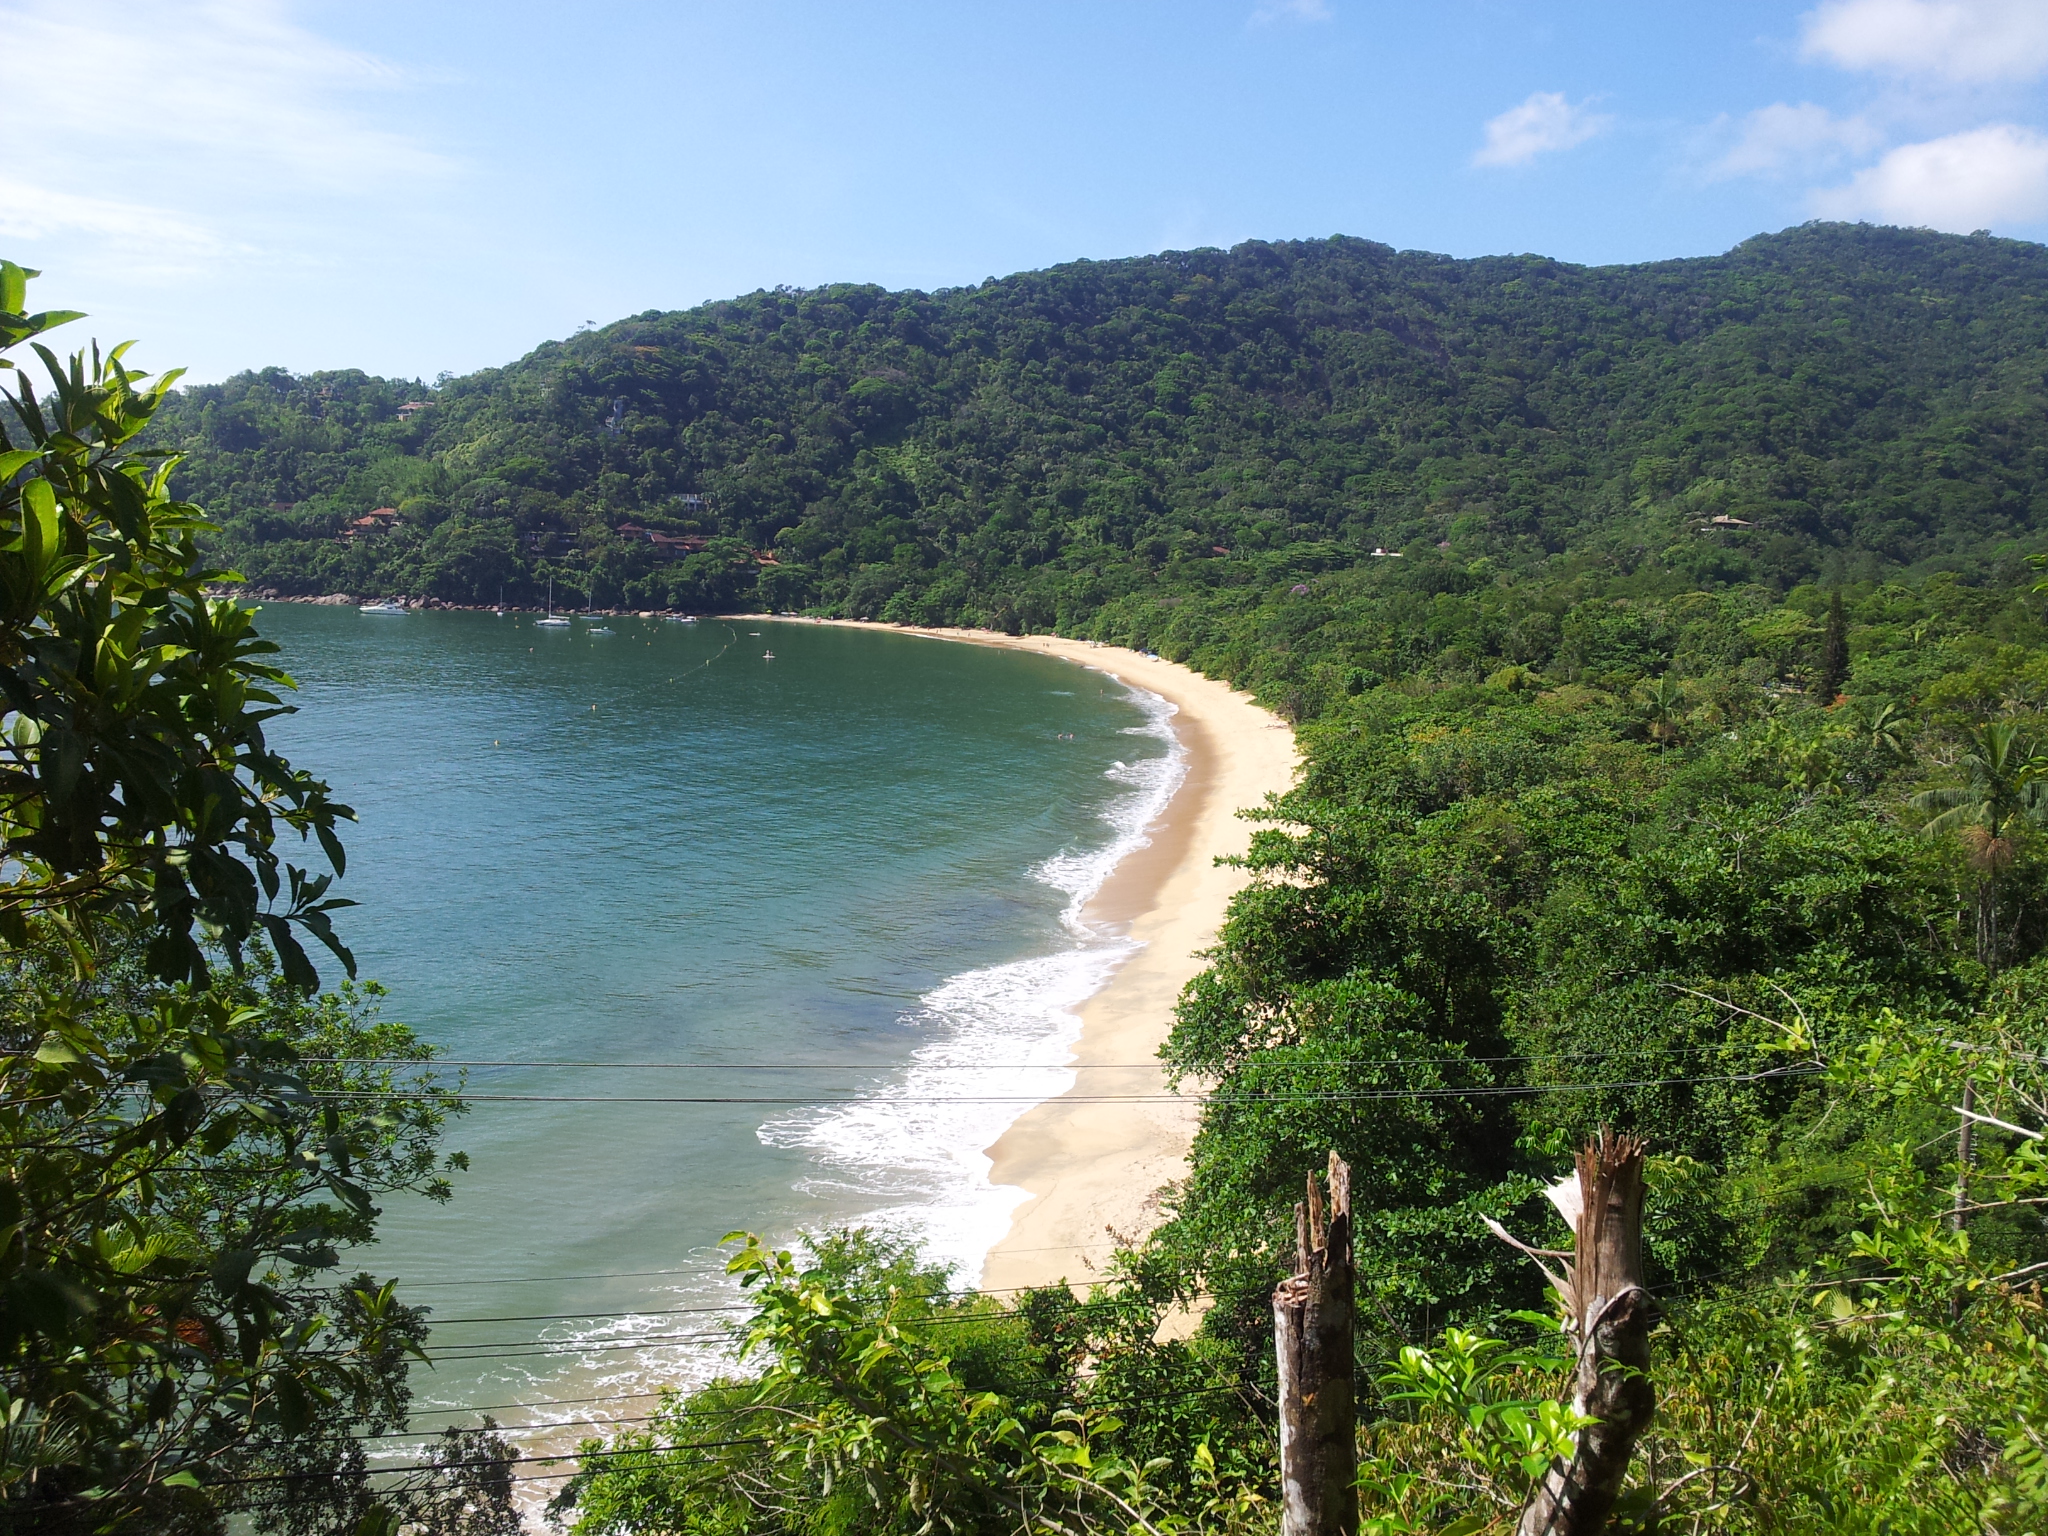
(2005, 786)
(1881, 727)
(1663, 704)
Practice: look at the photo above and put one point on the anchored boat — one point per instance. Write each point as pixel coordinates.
(549, 621)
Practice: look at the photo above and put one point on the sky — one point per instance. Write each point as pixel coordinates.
(418, 188)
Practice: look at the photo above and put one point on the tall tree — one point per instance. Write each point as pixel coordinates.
(178, 1181)
(1834, 651)
(134, 773)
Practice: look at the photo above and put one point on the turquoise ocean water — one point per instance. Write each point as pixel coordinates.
(839, 890)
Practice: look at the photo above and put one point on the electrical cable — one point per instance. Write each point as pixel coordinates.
(429, 1063)
(640, 1274)
(1498, 1090)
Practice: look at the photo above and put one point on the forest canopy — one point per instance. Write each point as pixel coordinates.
(1831, 402)
(1670, 676)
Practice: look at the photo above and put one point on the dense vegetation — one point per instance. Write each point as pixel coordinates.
(190, 1139)
(1609, 817)
(1198, 424)
(1673, 887)
(1687, 772)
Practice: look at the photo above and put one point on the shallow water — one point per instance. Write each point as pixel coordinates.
(844, 886)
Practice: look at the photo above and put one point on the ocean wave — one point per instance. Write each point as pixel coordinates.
(920, 1169)
(927, 1160)
(1152, 780)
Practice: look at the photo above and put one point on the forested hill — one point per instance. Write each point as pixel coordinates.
(1846, 399)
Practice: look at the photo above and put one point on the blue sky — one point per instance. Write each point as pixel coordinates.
(412, 188)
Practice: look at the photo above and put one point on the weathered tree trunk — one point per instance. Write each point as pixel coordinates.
(1610, 1316)
(1312, 1337)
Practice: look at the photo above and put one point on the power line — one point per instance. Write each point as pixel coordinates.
(1495, 1090)
(524, 1349)
(740, 1306)
(727, 1413)
(429, 1063)
(713, 1413)
(488, 1461)
(641, 1274)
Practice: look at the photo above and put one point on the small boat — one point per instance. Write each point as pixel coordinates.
(767, 655)
(386, 607)
(549, 621)
(682, 618)
(602, 629)
(500, 609)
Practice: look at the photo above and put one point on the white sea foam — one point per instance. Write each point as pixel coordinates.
(913, 1149)
(926, 1158)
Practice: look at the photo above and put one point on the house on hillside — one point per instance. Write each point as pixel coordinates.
(370, 522)
(412, 408)
(673, 546)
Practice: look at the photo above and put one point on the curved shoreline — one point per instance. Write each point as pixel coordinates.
(1093, 1171)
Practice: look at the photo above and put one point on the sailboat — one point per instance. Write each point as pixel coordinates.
(500, 609)
(550, 621)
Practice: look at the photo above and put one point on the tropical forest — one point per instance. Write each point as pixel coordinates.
(1667, 650)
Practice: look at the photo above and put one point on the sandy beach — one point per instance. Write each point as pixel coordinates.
(1094, 1170)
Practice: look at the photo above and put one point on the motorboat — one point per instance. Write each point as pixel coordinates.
(385, 607)
(602, 629)
(682, 618)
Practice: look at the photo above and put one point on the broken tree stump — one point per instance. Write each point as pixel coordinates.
(1608, 1314)
(1312, 1328)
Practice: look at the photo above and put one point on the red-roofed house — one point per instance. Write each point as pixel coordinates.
(370, 522)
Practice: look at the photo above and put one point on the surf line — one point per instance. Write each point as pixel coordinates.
(927, 1164)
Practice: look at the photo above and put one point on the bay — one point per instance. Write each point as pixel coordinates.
(832, 899)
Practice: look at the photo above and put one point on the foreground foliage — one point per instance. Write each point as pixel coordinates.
(884, 1402)
(134, 774)
(1612, 814)
(190, 1138)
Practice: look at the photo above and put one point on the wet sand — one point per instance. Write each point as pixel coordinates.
(1094, 1170)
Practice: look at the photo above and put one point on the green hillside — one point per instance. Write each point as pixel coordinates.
(1021, 453)
(1687, 772)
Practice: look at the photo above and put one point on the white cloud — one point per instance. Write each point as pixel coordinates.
(30, 212)
(1781, 138)
(1269, 11)
(1965, 41)
(238, 88)
(1982, 179)
(1545, 122)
